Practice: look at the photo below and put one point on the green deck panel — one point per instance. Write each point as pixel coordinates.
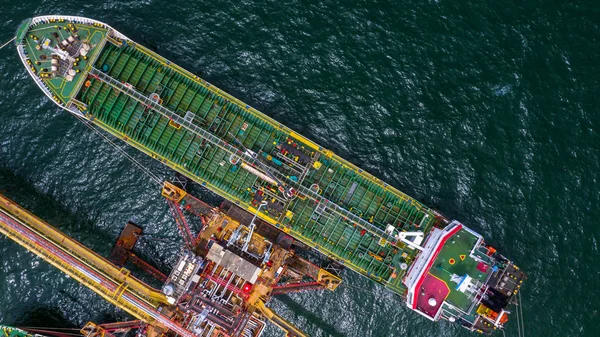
(346, 227)
(459, 244)
(8, 331)
(63, 89)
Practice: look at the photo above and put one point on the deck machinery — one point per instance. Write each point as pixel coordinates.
(109, 82)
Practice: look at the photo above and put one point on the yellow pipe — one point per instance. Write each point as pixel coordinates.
(283, 324)
(72, 272)
(82, 253)
(258, 173)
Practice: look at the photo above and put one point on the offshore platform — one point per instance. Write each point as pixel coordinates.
(225, 272)
(441, 268)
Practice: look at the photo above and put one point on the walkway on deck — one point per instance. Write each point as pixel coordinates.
(191, 126)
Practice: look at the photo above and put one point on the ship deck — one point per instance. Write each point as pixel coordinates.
(453, 259)
(63, 90)
(196, 129)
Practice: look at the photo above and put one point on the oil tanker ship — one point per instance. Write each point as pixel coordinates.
(441, 268)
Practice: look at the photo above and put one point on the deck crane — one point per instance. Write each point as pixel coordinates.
(110, 329)
(252, 227)
(182, 224)
(176, 199)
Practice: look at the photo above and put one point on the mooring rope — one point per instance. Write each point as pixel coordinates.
(521, 313)
(11, 40)
(518, 319)
(360, 288)
(146, 170)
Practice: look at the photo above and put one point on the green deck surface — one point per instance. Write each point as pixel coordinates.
(8, 331)
(63, 90)
(458, 245)
(340, 210)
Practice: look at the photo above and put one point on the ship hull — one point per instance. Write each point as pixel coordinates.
(104, 78)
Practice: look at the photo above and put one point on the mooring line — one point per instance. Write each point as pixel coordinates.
(11, 40)
(144, 169)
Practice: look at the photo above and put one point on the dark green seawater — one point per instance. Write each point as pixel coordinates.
(485, 110)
